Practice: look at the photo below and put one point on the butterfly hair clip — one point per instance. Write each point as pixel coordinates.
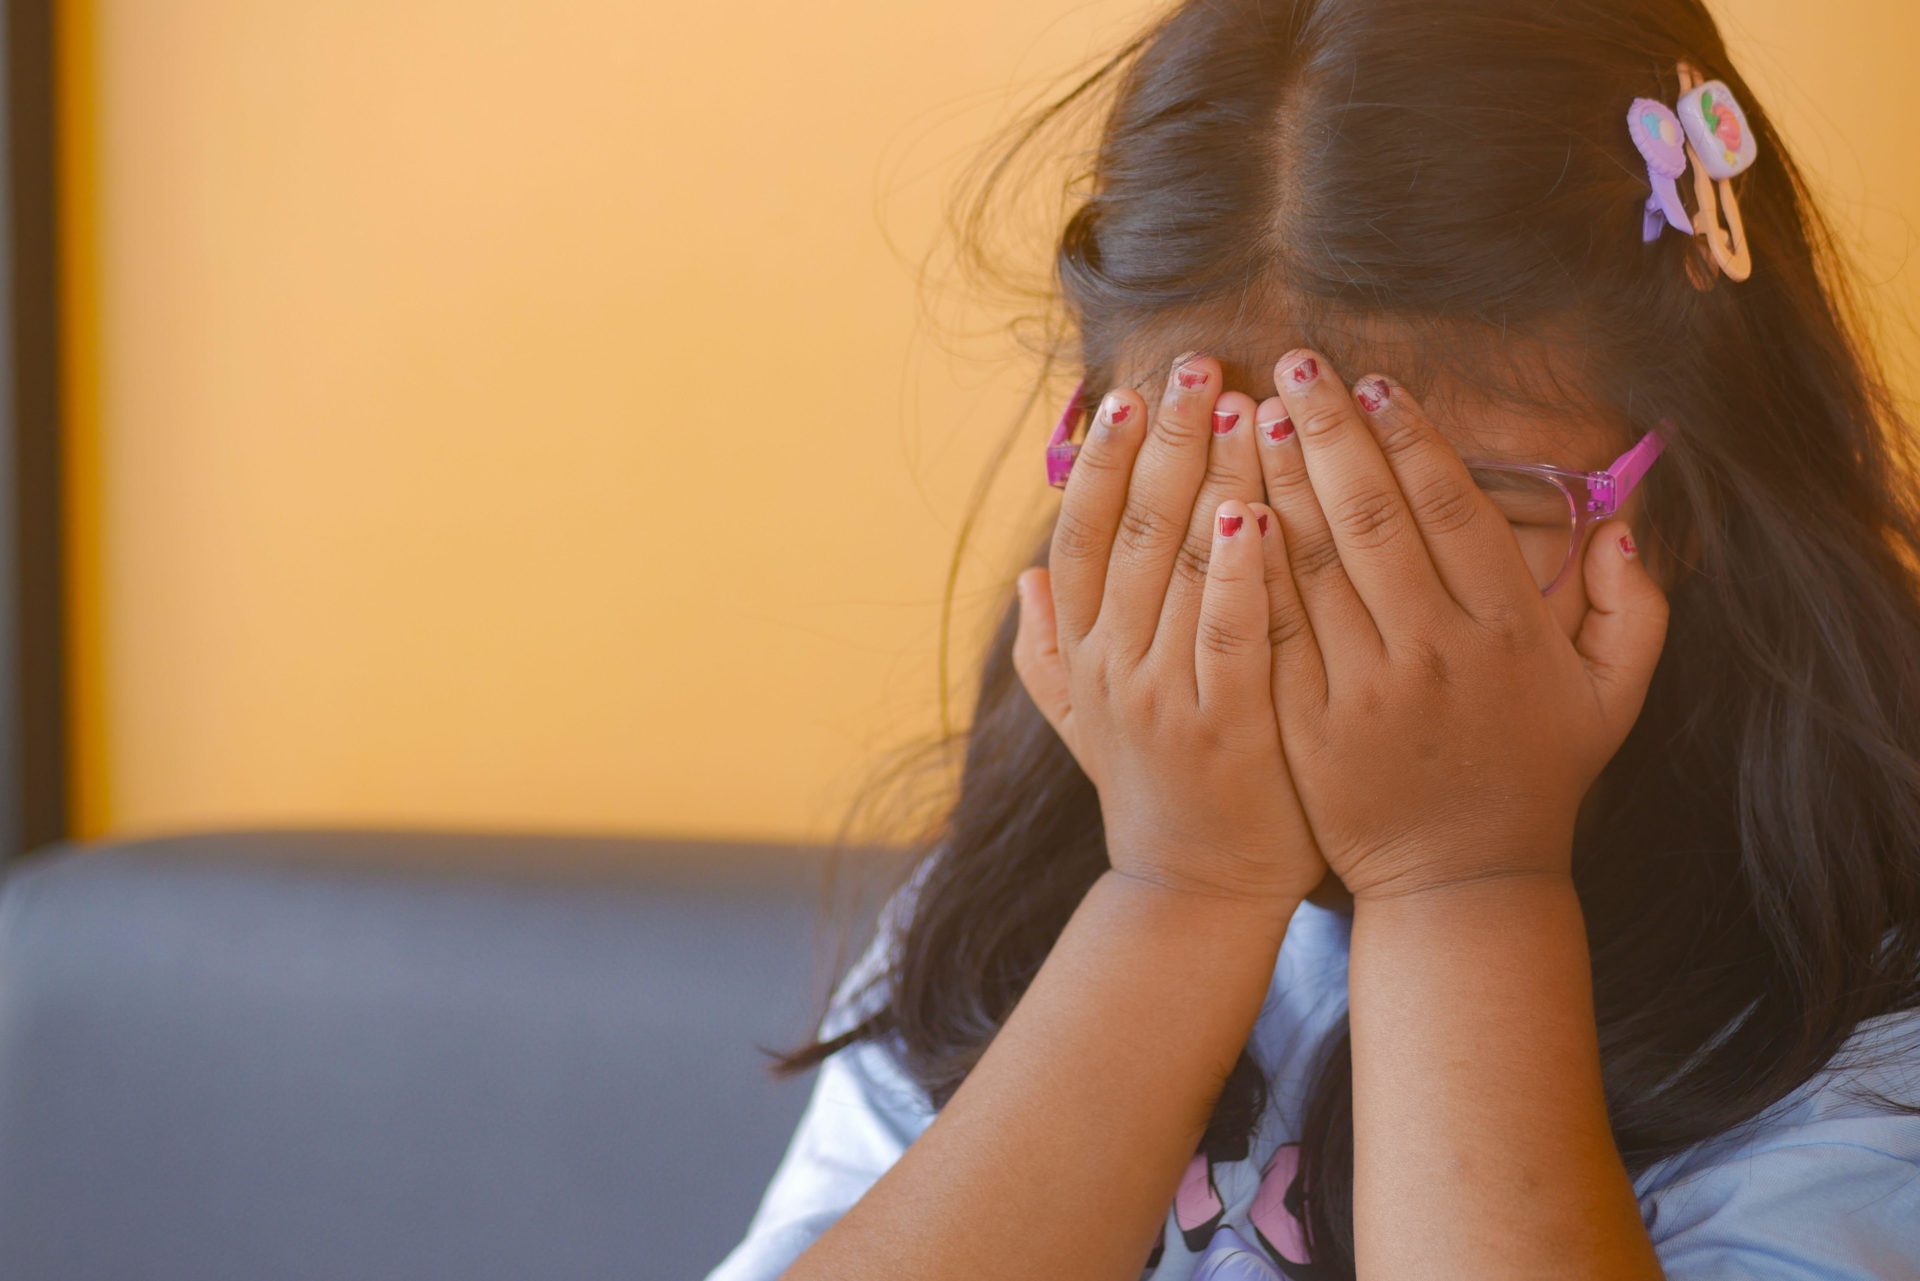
(1706, 132)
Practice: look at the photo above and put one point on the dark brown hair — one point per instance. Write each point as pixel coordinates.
(1460, 173)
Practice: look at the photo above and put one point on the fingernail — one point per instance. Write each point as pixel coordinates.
(1372, 393)
(1223, 422)
(1188, 376)
(1627, 548)
(1276, 432)
(1230, 525)
(1262, 518)
(1114, 410)
(1302, 371)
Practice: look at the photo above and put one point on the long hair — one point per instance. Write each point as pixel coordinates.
(1460, 174)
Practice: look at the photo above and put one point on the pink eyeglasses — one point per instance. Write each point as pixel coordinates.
(1549, 508)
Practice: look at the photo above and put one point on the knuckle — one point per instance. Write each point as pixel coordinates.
(1182, 424)
(1222, 477)
(1075, 537)
(1322, 418)
(1444, 506)
(1314, 557)
(1287, 481)
(1286, 626)
(1515, 632)
(1429, 661)
(1147, 702)
(1193, 560)
(1399, 433)
(1370, 518)
(1099, 678)
(1222, 639)
(1144, 529)
(1099, 457)
(1217, 736)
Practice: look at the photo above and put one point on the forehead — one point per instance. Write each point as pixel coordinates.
(1519, 402)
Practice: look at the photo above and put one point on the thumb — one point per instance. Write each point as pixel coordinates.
(1036, 649)
(1625, 626)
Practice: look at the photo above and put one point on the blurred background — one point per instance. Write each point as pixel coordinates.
(532, 436)
(485, 413)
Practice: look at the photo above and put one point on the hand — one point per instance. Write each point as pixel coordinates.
(1144, 644)
(1439, 723)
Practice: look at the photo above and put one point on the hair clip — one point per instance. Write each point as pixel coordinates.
(1721, 145)
(1709, 130)
(1662, 141)
(1060, 450)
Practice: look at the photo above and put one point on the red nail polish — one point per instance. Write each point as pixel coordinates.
(1230, 525)
(1121, 412)
(1223, 422)
(1191, 378)
(1304, 372)
(1277, 432)
(1262, 517)
(1627, 548)
(1372, 394)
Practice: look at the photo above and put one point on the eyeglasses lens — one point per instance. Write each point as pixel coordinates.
(1541, 513)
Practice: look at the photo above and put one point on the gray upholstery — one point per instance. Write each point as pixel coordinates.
(309, 1055)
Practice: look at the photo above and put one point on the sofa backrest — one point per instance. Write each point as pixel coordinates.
(268, 1055)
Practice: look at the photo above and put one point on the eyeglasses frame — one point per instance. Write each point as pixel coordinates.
(1601, 493)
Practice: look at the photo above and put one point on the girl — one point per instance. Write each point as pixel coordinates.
(1378, 854)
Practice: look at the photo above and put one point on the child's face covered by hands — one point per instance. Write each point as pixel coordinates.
(1440, 719)
(1475, 424)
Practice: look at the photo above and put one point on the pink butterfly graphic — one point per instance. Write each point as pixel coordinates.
(1279, 1251)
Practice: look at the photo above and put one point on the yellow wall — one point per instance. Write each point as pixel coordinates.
(516, 413)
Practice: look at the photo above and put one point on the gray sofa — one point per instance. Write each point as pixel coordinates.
(314, 1055)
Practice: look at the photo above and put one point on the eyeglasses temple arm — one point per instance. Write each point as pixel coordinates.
(1060, 450)
(1627, 469)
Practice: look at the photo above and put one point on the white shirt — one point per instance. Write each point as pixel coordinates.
(1824, 1185)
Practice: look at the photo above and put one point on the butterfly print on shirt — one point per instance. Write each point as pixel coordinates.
(1275, 1216)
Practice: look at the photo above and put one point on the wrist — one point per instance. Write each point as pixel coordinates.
(1516, 900)
(1464, 886)
(1263, 913)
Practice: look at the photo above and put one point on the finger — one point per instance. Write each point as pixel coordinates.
(1467, 537)
(1233, 471)
(1299, 677)
(1379, 544)
(1036, 648)
(1159, 505)
(1090, 509)
(1232, 664)
(1625, 626)
(1341, 625)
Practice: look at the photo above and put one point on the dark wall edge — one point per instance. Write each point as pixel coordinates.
(33, 729)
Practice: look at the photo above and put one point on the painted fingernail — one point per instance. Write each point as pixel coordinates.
(1627, 548)
(1230, 525)
(1188, 376)
(1302, 371)
(1114, 410)
(1262, 519)
(1223, 422)
(1276, 432)
(1372, 393)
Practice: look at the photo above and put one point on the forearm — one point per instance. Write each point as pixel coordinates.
(1059, 1155)
(1481, 1141)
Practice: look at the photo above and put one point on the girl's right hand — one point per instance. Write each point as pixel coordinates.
(1146, 644)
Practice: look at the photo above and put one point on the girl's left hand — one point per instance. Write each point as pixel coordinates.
(1439, 724)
